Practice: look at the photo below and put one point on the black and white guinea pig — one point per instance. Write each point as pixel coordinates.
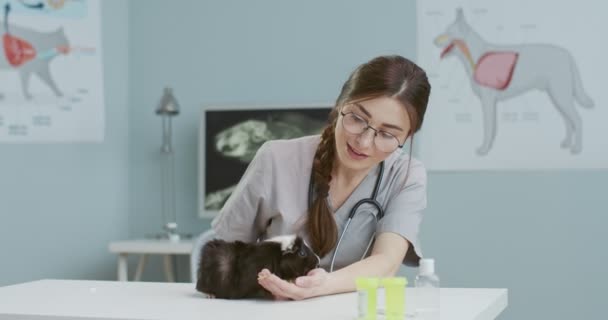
(229, 270)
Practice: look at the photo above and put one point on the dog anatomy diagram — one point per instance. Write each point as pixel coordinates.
(51, 81)
(513, 86)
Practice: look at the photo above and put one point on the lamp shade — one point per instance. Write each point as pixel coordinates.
(168, 105)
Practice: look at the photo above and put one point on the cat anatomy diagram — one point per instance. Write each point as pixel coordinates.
(509, 90)
(51, 83)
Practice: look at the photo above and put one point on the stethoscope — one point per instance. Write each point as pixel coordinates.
(372, 200)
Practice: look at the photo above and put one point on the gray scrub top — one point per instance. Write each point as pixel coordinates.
(271, 199)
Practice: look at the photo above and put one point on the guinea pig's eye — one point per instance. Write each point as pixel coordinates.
(302, 253)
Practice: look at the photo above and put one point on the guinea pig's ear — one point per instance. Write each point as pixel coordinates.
(294, 247)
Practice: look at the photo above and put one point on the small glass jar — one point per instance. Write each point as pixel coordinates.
(367, 289)
(394, 291)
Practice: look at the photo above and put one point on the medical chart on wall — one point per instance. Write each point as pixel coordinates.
(515, 84)
(51, 80)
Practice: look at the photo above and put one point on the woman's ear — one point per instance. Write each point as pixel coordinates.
(410, 134)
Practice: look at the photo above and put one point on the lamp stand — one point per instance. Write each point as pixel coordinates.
(168, 181)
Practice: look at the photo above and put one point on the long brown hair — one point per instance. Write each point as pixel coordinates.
(385, 76)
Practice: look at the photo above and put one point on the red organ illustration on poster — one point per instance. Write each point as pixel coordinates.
(509, 82)
(51, 84)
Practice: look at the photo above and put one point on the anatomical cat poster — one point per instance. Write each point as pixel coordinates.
(516, 85)
(51, 80)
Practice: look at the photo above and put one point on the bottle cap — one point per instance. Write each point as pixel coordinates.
(427, 266)
(394, 281)
(367, 283)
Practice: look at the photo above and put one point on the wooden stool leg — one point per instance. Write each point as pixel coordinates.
(168, 263)
(123, 267)
(140, 267)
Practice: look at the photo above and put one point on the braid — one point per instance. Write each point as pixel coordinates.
(323, 162)
(321, 224)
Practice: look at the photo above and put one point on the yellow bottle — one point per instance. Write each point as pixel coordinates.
(394, 291)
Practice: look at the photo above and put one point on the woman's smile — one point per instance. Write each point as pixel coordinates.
(355, 154)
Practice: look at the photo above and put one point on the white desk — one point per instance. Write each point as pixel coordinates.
(144, 247)
(66, 299)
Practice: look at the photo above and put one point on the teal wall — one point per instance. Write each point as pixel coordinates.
(535, 233)
(60, 204)
(237, 53)
(539, 234)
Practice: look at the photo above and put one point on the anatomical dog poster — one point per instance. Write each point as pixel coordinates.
(51, 80)
(516, 85)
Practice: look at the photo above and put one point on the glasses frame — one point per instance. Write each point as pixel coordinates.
(367, 126)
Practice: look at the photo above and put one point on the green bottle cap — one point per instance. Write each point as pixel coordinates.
(394, 281)
(367, 283)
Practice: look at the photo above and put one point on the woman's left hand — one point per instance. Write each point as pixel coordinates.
(304, 287)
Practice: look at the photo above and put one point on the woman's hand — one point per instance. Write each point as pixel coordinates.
(304, 287)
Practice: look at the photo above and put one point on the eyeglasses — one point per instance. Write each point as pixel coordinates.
(384, 141)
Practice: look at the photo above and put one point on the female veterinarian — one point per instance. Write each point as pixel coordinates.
(354, 193)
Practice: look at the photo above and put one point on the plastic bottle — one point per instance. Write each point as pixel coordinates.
(367, 298)
(427, 287)
(394, 297)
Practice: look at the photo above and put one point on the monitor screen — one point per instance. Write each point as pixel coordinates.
(232, 138)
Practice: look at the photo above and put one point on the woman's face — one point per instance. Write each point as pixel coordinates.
(360, 151)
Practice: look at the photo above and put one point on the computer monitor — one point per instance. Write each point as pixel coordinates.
(229, 137)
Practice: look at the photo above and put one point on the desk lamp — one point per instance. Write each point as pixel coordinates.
(167, 109)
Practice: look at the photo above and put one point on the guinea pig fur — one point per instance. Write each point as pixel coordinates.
(229, 270)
